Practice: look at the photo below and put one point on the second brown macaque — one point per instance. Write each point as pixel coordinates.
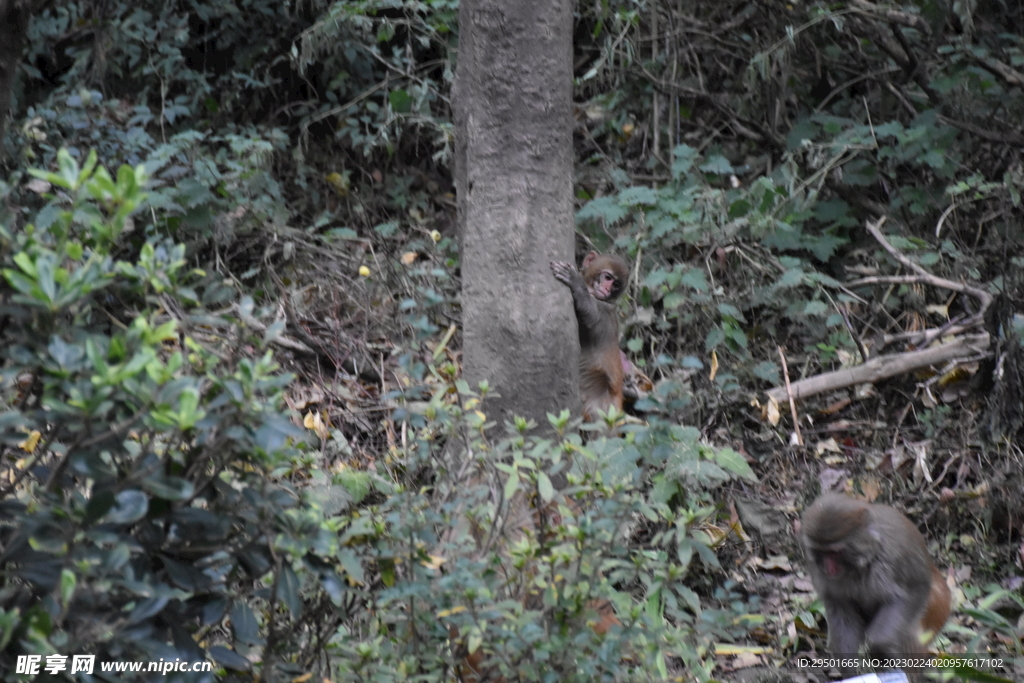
(594, 288)
(871, 568)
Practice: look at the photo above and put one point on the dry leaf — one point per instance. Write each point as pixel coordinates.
(313, 422)
(29, 444)
(827, 446)
(339, 182)
(38, 185)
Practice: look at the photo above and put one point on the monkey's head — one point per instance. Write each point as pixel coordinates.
(838, 536)
(604, 275)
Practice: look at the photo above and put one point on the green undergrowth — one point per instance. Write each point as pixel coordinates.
(160, 501)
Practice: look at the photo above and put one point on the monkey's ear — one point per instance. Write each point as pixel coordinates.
(589, 258)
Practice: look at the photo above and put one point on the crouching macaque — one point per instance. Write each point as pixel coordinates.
(594, 289)
(871, 568)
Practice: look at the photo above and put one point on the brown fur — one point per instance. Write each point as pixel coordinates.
(594, 290)
(871, 568)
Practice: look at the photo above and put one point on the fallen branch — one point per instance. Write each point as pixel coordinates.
(970, 346)
(882, 367)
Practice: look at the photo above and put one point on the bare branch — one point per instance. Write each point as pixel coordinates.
(882, 367)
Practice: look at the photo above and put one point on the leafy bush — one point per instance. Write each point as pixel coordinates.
(145, 454)
(352, 94)
(149, 467)
(486, 555)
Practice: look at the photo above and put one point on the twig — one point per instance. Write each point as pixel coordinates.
(911, 20)
(792, 402)
(983, 297)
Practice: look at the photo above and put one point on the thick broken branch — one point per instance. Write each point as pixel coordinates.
(890, 365)
(970, 346)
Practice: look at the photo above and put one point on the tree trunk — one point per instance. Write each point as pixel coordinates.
(512, 101)
(14, 15)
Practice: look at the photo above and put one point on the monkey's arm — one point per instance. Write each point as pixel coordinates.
(894, 629)
(587, 310)
(845, 627)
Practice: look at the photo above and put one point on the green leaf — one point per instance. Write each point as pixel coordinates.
(544, 487)
(739, 208)
(673, 300)
(605, 209)
(767, 371)
(126, 185)
(357, 483)
(695, 280)
(27, 265)
(68, 582)
(730, 311)
(168, 487)
(244, 624)
(635, 196)
(718, 165)
(733, 462)
(512, 484)
(684, 553)
(343, 233)
(90, 166)
(9, 621)
(45, 280)
(229, 659)
(400, 101)
(68, 169)
(130, 506)
(663, 490)
(349, 561)
(714, 337)
(791, 278)
(816, 308)
(288, 591)
(683, 157)
(334, 587)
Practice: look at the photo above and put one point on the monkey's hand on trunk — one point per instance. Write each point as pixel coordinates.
(564, 272)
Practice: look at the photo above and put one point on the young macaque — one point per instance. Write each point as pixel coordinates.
(871, 568)
(594, 289)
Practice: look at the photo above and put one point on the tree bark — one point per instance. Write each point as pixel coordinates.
(14, 16)
(512, 101)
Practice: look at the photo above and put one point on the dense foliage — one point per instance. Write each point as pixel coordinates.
(155, 492)
(283, 202)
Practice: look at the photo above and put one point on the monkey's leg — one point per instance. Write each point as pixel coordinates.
(845, 630)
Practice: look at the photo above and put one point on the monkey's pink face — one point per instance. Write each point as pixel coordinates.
(605, 286)
(831, 563)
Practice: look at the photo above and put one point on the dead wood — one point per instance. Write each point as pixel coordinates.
(890, 365)
(970, 346)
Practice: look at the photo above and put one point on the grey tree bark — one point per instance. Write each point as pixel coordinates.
(512, 101)
(14, 16)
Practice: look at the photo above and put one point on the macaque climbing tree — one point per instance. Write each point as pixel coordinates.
(512, 100)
